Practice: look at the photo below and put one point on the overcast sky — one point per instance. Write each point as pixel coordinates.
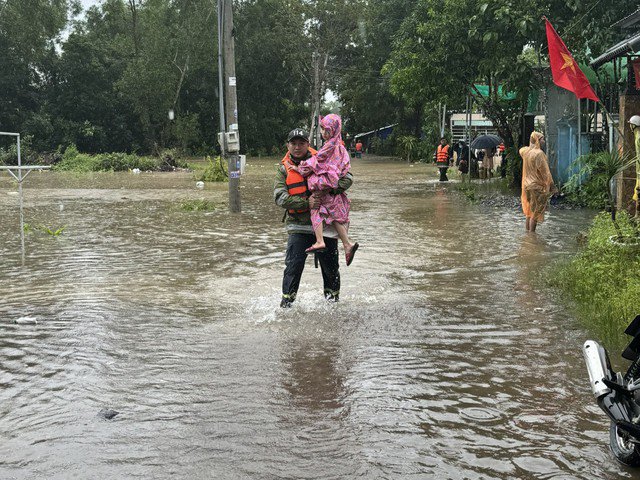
(87, 3)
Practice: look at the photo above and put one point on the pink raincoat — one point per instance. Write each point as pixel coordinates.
(323, 171)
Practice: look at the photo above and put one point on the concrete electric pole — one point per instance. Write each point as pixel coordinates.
(228, 137)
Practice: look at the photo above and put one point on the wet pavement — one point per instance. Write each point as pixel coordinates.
(447, 357)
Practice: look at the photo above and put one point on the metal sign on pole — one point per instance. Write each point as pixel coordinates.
(228, 138)
(20, 178)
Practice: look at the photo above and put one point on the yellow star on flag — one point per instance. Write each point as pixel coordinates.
(568, 62)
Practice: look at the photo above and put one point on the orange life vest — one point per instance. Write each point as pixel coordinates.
(296, 184)
(443, 154)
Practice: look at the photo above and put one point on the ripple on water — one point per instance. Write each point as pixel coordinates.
(433, 364)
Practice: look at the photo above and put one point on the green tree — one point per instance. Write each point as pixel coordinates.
(363, 90)
(28, 31)
(446, 47)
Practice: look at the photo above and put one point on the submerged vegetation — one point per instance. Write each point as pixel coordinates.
(602, 280)
(198, 206)
(54, 232)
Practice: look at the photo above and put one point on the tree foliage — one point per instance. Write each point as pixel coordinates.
(107, 83)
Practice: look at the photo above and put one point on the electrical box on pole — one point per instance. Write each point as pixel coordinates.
(229, 137)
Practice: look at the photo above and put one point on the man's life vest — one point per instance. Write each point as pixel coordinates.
(296, 184)
(443, 154)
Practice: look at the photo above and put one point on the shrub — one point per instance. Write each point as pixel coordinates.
(602, 280)
(384, 147)
(168, 160)
(214, 172)
(408, 147)
(118, 162)
(73, 160)
(589, 185)
(9, 154)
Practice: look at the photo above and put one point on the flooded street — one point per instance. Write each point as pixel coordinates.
(445, 359)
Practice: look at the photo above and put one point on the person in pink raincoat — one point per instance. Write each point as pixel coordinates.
(322, 171)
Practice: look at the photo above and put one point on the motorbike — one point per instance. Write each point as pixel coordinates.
(618, 395)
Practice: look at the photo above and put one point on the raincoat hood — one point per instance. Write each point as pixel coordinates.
(333, 124)
(534, 140)
(333, 151)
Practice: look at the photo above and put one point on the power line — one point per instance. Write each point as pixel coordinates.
(570, 27)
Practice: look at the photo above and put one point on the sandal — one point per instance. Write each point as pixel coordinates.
(315, 250)
(349, 256)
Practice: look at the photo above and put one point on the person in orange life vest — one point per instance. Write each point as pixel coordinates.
(358, 149)
(443, 156)
(323, 171)
(291, 193)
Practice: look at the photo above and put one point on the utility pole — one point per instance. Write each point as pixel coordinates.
(315, 111)
(317, 93)
(229, 137)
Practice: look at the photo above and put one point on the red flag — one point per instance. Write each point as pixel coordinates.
(564, 68)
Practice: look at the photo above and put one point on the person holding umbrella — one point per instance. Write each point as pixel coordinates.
(444, 154)
(488, 144)
(537, 182)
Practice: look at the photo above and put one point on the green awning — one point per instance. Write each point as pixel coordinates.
(531, 102)
(484, 91)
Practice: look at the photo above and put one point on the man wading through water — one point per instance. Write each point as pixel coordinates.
(290, 192)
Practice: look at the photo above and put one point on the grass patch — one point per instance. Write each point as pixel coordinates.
(198, 206)
(476, 190)
(602, 280)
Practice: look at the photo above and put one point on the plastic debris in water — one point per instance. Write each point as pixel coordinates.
(135, 171)
(200, 185)
(26, 321)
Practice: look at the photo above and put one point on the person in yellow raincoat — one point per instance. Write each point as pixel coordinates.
(537, 183)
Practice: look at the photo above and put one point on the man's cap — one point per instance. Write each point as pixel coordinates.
(298, 133)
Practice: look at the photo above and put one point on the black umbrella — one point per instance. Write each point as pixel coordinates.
(486, 141)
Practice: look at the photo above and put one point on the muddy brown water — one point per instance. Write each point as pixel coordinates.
(446, 357)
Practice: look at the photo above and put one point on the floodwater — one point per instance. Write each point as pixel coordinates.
(446, 358)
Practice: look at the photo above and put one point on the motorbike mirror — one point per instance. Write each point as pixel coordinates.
(632, 351)
(634, 327)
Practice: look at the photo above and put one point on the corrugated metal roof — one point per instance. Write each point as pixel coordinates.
(374, 131)
(628, 21)
(628, 45)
